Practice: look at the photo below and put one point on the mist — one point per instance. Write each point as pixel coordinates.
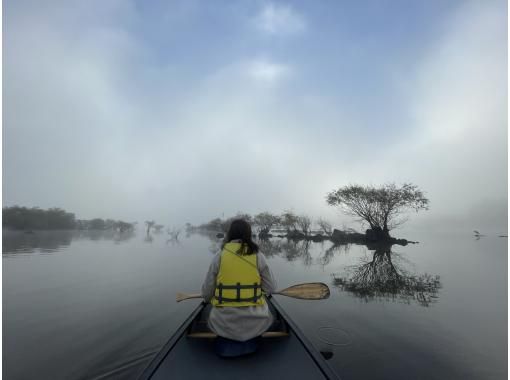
(185, 111)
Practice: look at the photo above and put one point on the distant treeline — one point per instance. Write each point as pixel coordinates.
(381, 208)
(264, 223)
(35, 218)
(292, 226)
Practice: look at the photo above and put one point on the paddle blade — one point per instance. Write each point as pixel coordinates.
(183, 296)
(308, 291)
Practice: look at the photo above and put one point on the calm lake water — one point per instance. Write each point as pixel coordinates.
(99, 306)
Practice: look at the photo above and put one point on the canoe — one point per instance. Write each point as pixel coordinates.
(284, 353)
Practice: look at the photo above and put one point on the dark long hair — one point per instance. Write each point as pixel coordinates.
(241, 230)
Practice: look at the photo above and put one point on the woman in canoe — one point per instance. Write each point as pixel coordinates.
(237, 278)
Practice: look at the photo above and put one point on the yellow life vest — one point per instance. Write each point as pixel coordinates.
(238, 281)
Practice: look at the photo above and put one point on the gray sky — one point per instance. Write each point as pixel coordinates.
(183, 110)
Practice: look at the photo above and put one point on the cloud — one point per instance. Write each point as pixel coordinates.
(267, 71)
(279, 19)
(461, 86)
(456, 145)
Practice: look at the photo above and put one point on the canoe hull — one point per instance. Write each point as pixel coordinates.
(281, 357)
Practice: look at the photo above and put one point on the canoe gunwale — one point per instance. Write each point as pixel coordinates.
(305, 342)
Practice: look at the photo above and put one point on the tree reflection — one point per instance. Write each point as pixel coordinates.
(294, 249)
(54, 241)
(330, 253)
(384, 277)
(270, 248)
(111, 234)
(45, 242)
(381, 276)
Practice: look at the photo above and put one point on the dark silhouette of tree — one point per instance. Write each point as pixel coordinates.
(124, 226)
(289, 221)
(304, 223)
(149, 224)
(97, 224)
(325, 226)
(382, 277)
(174, 235)
(109, 224)
(23, 218)
(381, 207)
(264, 222)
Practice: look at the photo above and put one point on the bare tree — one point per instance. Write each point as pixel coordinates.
(264, 222)
(174, 233)
(289, 221)
(381, 207)
(304, 222)
(325, 226)
(149, 224)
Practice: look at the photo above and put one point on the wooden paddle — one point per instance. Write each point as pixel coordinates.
(306, 291)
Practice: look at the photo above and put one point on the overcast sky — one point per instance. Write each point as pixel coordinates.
(184, 110)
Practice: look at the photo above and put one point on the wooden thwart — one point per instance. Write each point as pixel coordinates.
(211, 335)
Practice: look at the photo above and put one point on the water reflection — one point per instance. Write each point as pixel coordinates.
(270, 248)
(104, 235)
(115, 296)
(294, 249)
(330, 253)
(383, 276)
(16, 242)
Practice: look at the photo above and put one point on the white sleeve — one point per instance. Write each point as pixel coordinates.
(209, 284)
(268, 281)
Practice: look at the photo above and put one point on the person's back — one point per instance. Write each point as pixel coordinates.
(237, 278)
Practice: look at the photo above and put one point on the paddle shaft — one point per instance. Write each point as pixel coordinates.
(309, 291)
